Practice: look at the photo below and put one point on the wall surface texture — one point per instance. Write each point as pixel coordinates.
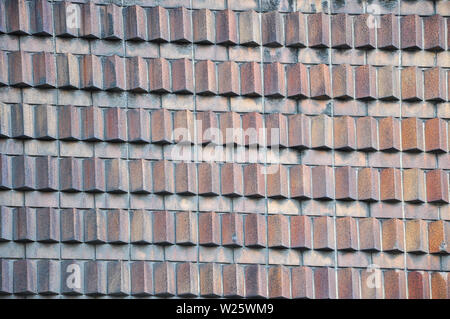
(224, 148)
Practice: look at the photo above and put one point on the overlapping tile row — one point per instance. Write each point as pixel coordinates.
(97, 175)
(232, 230)
(187, 280)
(250, 149)
(161, 76)
(161, 126)
(222, 27)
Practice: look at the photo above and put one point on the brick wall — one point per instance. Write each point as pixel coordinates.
(342, 192)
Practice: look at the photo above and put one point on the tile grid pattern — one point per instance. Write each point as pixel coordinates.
(119, 194)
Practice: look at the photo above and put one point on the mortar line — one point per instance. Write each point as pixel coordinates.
(196, 147)
(333, 152)
(126, 93)
(265, 144)
(400, 63)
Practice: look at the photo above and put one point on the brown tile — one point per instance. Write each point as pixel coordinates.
(368, 184)
(205, 78)
(157, 24)
(369, 234)
(232, 185)
(279, 282)
(393, 235)
(111, 22)
(341, 31)
(346, 233)
(164, 279)
(388, 32)
(41, 22)
(297, 81)
(233, 280)
(138, 124)
(44, 74)
(394, 284)
(274, 80)
(135, 23)
(348, 283)
(387, 82)
(320, 82)
(302, 282)
(390, 185)
(324, 233)
(226, 32)
(210, 280)
(438, 236)
(185, 178)
(295, 34)
(343, 81)
(272, 29)
(322, 182)
(180, 25)
(318, 30)
(300, 232)
(435, 135)
(161, 126)
(90, 18)
(325, 283)
(252, 124)
(114, 73)
(251, 79)
(437, 186)
(141, 227)
(20, 74)
(255, 281)
(299, 131)
(140, 176)
(412, 135)
(163, 228)
(207, 128)
(137, 80)
(439, 285)
(365, 82)
(416, 236)
(364, 32)
(141, 273)
(93, 175)
(414, 185)
(412, 84)
(300, 181)
(277, 181)
(187, 279)
(389, 134)
(411, 32)
(184, 130)
(17, 14)
(366, 133)
(321, 132)
(209, 229)
(162, 174)
(203, 28)
(434, 30)
(182, 77)
(278, 231)
(186, 228)
(255, 230)
(346, 182)
(344, 133)
(249, 28)
(159, 75)
(228, 73)
(232, 230)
